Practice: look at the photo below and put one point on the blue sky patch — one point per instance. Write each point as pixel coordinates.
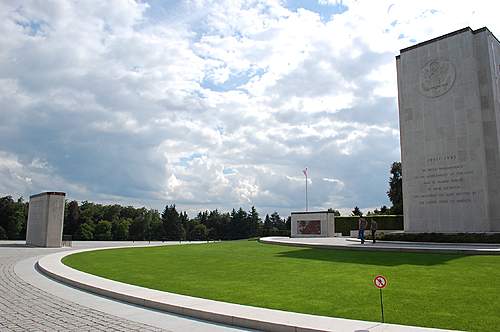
(184, 161)
(229, 171)
(32, 27)
(234, 81)
(326, 11)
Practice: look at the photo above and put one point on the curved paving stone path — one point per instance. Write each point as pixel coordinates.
(24, 307)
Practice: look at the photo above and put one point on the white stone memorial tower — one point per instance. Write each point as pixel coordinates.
(449, 113)
(45, 219)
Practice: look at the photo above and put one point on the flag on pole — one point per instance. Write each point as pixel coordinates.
(305, 173)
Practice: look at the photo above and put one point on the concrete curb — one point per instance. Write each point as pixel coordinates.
(215, 311)
(387, 247)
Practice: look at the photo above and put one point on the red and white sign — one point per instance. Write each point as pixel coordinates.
(380, 281)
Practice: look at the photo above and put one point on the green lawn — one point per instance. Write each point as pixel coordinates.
(446, 291)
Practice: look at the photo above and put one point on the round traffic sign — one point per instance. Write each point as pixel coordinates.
(380, 281)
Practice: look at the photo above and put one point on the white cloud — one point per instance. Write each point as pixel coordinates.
(209, 104)
(335, 181)
(22, 178)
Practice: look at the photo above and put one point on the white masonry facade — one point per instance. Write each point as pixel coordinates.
(449, 113)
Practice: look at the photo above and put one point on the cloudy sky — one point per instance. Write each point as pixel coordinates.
(209, 104)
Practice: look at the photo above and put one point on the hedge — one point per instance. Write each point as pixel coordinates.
(274, 232)
(440, 237)
(344, 225)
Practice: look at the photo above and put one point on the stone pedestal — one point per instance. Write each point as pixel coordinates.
(45, 219)
(449, 113)
(313, 224)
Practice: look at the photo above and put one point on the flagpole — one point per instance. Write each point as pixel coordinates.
(305, 173)
(306, 192)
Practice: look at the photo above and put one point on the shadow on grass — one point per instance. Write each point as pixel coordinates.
(369, 258)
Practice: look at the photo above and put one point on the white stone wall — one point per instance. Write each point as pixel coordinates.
(45, 220)
(327, 222)
(36, 229)
(449, 133)
(490, 89)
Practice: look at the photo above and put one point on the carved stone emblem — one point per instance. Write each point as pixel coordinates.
(437, 78)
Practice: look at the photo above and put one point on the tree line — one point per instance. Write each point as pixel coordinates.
(91, 221)
(13, 217)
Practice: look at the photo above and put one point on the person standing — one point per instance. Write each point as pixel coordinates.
(373, 228)
(362, 227)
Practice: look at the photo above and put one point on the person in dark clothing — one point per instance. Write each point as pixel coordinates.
(373, 228)
(362, 227)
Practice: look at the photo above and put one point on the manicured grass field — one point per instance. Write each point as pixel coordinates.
(446, 291)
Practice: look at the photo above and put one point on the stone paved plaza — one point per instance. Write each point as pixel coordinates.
(30, 301)
(24, 307)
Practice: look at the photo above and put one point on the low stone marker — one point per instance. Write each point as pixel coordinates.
(45, 219)
(313, 224)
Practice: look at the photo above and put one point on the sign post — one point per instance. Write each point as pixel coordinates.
(380, 282)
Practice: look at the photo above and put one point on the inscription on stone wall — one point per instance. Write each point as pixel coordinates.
(436, 78)
(444, 184)
(309, 227)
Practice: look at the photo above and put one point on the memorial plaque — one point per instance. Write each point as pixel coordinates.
(449, 115)
(309, 227)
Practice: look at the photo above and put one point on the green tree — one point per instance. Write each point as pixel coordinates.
(395, 192)
(24, 207)
(357, 212)
(111, 212)
(336, 213)
(172, 225)
(15, 224)
(91, 212)
(120, 229)
(289, 223)
(138, 229)
(72, 221)
(155, 229)
(268, 225)
(103, 231)
(85, 231)
(253, 223)
(238, 229)
(187, 226)
(277, 222)
(218, 225)
(130, 212)
(3, 234)
(199, 232)
(13, 217)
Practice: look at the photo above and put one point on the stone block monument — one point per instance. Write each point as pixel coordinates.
(45, 219)
(312, 224)
(449, 114)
